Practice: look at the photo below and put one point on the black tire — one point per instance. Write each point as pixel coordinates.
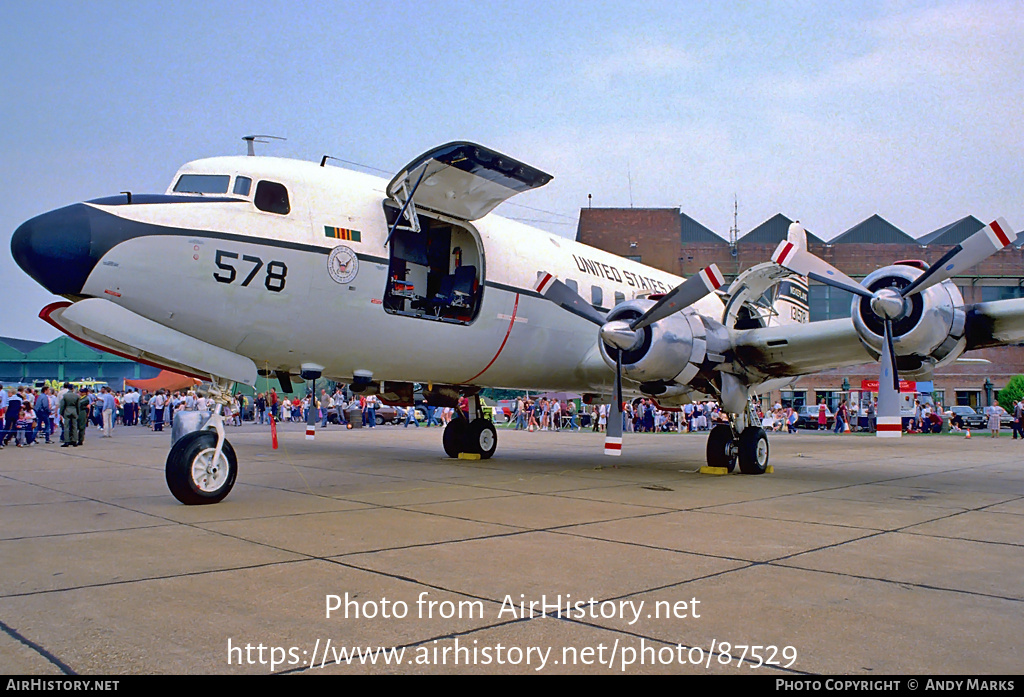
(379, 420)
(455, 436)
(187, 478)
(719, 451)
(753, 455)
(482, 438)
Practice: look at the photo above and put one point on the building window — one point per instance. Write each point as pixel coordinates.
(827, 302)
(794, 398)
(990, 293)
(968, 398)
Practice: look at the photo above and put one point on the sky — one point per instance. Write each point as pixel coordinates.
(826, 112)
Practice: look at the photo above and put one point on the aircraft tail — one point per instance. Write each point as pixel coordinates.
(791, 294)
(797, 236)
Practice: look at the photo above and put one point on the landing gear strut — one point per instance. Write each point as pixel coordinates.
(474, 436)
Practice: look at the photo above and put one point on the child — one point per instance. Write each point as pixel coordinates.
(26, 427)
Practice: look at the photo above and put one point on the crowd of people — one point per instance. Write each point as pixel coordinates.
(641, 416)
(32, 415)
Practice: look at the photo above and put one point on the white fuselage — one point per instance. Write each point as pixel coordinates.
(276, 302)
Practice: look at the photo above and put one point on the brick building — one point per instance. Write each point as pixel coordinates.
(668, 239)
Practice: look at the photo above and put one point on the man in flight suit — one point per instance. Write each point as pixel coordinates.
(68, 410)
(84, 406)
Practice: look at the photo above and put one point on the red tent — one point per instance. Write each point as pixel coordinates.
(166, 380)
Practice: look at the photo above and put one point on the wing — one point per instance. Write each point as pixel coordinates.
(995, 323)
(794, 350)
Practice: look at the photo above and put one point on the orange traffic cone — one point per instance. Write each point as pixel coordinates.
(968, 434)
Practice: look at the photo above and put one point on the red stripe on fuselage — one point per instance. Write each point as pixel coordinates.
(511, 323)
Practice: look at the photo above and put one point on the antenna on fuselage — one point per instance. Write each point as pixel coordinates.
(252, 140)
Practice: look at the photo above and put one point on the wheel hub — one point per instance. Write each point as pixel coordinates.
(207, 475)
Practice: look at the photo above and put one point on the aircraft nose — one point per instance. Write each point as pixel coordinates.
(55, 249)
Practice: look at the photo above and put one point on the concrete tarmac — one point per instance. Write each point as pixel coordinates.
(856, 556)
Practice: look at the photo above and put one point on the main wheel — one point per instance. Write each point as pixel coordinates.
(482, 438)
(192, 475)
(753, 454)
(455, 437)
(720, 447)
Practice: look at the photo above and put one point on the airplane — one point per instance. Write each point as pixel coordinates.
(255, 265)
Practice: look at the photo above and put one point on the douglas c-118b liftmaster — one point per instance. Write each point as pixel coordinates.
(250, 263)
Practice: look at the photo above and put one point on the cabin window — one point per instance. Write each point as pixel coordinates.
(573, 285)
(434, 274)
(272, 198)
(242, 186)
(202, 184)
(596, 296)
(620, 297)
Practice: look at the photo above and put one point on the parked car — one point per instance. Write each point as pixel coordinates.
(968, 415)
(807, 416)
(977, 418)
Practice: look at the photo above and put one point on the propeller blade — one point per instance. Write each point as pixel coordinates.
(564, 296)
(972, 251)
(889, 424)
(613, 434)
(804, 263)
(682, 296)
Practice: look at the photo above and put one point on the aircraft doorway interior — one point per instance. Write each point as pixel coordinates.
(434, 274)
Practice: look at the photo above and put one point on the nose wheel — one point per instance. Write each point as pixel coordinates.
(195, 474)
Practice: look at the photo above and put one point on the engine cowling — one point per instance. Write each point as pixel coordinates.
(671, 349)
(928, 333)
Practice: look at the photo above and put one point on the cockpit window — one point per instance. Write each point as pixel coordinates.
(272, 197)
(242, 186)
(202, 184)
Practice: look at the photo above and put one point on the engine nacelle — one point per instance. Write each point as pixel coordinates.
(930, 330)
(669, 350)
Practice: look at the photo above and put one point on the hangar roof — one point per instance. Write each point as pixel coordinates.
(691, 231)
(774, 230)
(874, 230)
(954, 233)
(22, 346)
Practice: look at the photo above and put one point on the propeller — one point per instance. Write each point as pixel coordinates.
(624, 335)
(890, 303)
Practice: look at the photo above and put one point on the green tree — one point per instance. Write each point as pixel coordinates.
(1012, 393)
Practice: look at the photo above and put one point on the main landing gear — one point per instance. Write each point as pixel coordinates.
(473, 436)
(202, 466)
(747, 446)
